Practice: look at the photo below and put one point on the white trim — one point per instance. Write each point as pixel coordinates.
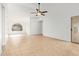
(56, 37)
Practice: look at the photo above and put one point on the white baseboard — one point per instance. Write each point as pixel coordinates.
(55, 37)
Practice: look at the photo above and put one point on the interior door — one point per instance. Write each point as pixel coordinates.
(75, 29)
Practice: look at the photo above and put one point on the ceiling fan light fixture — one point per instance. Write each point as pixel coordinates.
(38, 14)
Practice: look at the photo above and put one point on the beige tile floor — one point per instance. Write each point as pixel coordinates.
(40, 46)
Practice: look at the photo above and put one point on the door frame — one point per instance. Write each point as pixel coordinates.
(72, 29)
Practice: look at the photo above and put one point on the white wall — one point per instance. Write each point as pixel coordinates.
(0, 27)
(16, 14)
(35, 25)
(57, 22)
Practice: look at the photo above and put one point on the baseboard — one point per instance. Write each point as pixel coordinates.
(52, 37)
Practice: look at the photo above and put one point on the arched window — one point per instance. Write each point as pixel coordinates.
(17, 27)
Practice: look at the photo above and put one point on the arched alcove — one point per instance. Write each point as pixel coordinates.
(17, 27)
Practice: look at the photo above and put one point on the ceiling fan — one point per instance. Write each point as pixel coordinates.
(39, 12)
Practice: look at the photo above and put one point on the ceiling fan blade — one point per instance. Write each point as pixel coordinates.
(36, 15)
(44, 11)
(42, 14)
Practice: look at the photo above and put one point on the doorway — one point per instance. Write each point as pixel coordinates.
(75, 29)
(36, 25)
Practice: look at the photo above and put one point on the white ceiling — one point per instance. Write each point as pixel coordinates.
(45, 6)
(52, 8)
(32, 6)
